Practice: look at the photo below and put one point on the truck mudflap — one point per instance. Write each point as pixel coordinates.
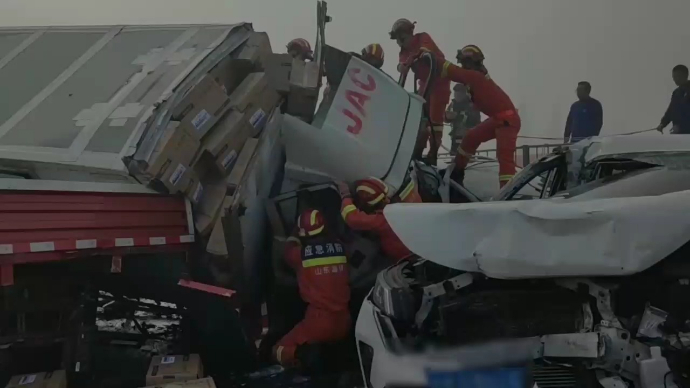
(52, 225)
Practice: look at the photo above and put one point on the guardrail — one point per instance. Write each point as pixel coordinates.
(524, 154)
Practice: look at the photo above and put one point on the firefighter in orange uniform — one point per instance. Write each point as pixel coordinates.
(372, 194)
(321, 265)
(503, 122)
(411, 45)
(300, 49)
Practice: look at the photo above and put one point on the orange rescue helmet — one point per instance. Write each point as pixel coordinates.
(310, 223)
(372, 191)
(401, 25)
(373, 54)
(300, 45)
(472, 53)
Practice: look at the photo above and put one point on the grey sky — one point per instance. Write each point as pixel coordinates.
(536, 49)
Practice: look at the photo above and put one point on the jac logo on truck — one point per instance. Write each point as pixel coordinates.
(358, 99)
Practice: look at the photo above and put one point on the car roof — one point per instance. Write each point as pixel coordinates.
(596, 147)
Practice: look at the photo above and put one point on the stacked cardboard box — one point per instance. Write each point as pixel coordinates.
(207, 143)
(178, 368)
(299, 81)
(200, 383)
(55, 379)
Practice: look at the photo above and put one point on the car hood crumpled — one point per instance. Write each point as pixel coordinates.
(546, 238)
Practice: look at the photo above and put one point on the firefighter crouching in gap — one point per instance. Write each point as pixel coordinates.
(411, 45)
(300, 49)
(372, 195)
(503, 122)
(322, 271)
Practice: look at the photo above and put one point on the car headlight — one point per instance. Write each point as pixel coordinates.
(393, 296)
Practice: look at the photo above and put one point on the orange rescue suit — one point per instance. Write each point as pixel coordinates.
(503, 123)
(356, 219)
(439, 95)
(322, 276)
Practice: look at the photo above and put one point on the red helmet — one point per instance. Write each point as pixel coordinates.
(373, 191)
(300, 45)
(310, 223)
(472, 53)
(401, 25)
(373, 54)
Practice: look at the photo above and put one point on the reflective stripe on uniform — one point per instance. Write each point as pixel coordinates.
(505, 178)
(444, 71)
(377, 199)
(366, 188)
(293, 239)
(279, 354)
(407, 191)
(437, 128)
(347, 210)
(315, 231)
(324, 261)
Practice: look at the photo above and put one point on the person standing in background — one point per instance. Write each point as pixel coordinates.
(586, 116)
(678, 111)
(461, 115)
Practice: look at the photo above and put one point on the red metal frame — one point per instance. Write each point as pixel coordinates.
(40, 226)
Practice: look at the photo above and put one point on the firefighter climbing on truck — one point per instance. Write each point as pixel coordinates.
(320, 262)
(411, 45)
(300, 48)
(503, 122)
(372, 197)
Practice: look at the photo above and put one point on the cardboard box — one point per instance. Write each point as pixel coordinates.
(304, 89)
(252, 103)
(55, 379)
(200, 383)
(257, 49)
(229, 127)
(234, 141)
(201, 107)
(195, 190)
(243, 160)
(168, 369)
(277, 69)
(207, 210)
(174, 176)
(250, 92)
(216, 242)
(251, 57)
(176, 144)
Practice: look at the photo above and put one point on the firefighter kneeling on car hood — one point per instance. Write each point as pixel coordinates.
(320, 261)
(372, 196)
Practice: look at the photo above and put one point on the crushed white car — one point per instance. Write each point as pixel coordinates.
(596, 275)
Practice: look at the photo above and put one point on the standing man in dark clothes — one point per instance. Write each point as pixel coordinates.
(461, 115)
(586, 116)
(678, 111)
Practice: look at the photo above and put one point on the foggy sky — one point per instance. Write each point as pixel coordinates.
(537, 50)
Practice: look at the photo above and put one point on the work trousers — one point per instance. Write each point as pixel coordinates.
(438, 100)
(505, 132)
(318, 326)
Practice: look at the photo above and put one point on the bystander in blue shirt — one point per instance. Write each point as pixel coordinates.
(586, 116)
